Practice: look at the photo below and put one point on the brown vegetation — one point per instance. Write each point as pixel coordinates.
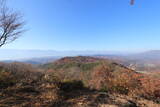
(105, 84)
(106, 76)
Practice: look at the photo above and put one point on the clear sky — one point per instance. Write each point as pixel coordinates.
(89, 25)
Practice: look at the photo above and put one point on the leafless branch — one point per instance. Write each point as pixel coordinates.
(11, 24)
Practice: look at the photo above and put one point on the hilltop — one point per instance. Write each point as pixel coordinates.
(76, 82)
(83, 63)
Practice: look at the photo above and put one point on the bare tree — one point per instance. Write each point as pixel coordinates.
(11, 24)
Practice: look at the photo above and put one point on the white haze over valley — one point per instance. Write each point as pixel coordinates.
(13, 54)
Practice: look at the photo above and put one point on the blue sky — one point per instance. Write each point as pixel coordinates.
(112, 25)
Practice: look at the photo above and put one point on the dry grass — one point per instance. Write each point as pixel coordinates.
(104, 85)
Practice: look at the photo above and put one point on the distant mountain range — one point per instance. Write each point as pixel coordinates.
(41, 60)
(12, 54)
(144, 61)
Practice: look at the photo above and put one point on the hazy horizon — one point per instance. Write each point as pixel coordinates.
(13, 54)
(20, 54)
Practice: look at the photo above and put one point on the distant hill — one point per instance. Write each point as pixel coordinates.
(76, 82)
(145, 61)
(86, 69)
(83, 63)
(41, 60)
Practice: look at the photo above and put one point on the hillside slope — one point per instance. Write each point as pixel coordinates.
(83, 63)
(93, 72)
(76, 82)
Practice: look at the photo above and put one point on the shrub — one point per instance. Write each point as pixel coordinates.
(150, 88)
(6, 79)
(105, 79)
(69, 86)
